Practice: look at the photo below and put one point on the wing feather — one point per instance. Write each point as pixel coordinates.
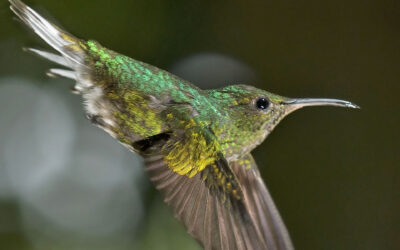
(205, 216)
(260, 204)
(222, 220)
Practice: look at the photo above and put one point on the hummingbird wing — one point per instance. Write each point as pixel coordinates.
(205, 216)
(225, 205)
(260, 205)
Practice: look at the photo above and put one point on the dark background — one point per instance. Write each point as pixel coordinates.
(334, 173)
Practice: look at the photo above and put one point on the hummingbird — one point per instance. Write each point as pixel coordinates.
(196, 143)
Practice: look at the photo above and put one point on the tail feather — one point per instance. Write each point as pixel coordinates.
(57, 38)
(62, 73)
(50, 56)
(73, 50)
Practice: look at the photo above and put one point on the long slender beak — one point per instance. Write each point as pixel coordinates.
(298, 103)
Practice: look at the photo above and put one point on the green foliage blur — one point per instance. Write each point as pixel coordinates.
(333, 173)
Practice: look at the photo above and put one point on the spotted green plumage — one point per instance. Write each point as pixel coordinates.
(196, 143)
(156, 101)
(132, 82)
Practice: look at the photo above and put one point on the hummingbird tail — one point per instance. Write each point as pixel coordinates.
(72, 49)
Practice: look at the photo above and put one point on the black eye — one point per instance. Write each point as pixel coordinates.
(262, 103)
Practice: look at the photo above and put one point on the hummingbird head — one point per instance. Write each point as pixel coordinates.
(254, 112)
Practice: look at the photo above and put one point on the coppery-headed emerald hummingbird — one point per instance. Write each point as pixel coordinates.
(196, 143)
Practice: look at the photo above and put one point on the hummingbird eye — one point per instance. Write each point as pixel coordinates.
(262, 103)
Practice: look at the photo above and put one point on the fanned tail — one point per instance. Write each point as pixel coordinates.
(72, 49)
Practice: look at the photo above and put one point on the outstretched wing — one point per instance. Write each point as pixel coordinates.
(225, 205)
(205, 215)
(260, 205)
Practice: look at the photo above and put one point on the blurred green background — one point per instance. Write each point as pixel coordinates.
(334, 173)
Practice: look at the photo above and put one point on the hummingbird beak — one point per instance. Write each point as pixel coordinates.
(298, 103)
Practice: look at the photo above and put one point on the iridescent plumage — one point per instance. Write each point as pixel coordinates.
(196, 143)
